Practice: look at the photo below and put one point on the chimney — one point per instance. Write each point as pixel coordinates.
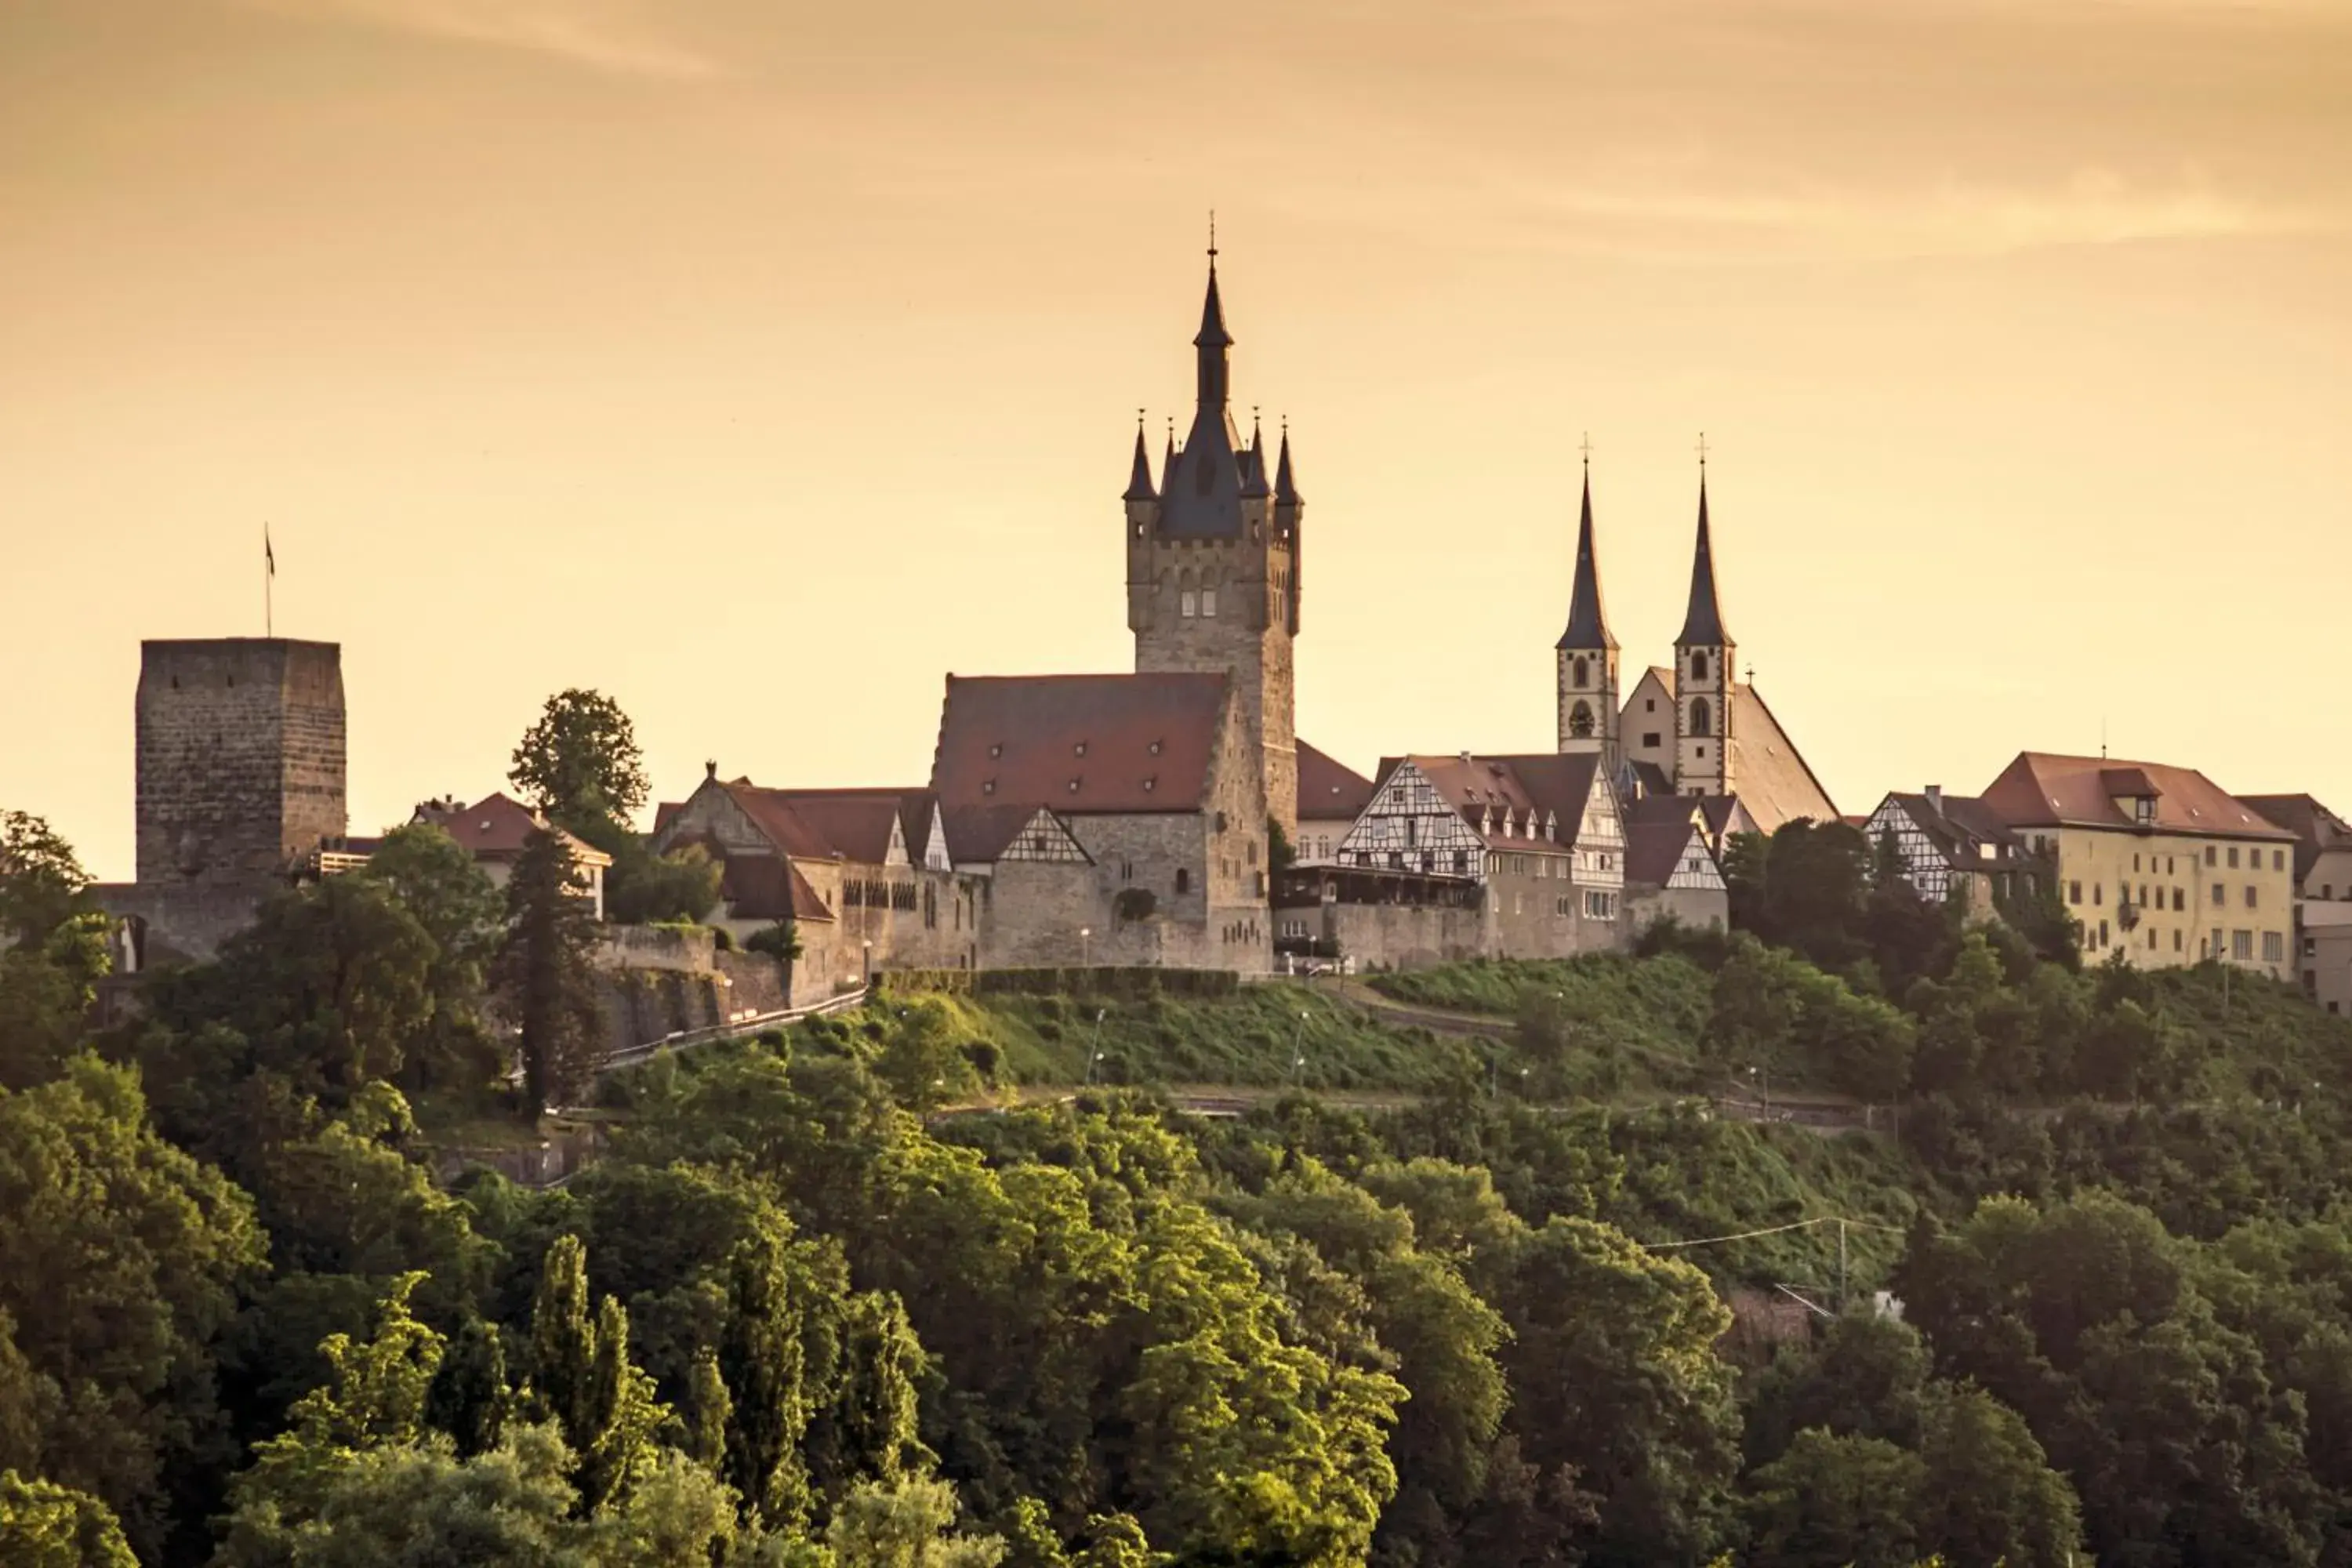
(1936, 799)
(710, 768)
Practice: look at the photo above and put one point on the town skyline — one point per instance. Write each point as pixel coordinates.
(2038, 467)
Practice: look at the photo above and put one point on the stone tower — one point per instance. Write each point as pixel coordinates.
(240, 759)
(1586, 679)
(1213, 557)
(1702, 678)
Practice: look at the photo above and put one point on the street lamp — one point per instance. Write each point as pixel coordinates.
(1094, 1049)
(1086, 941)
(868, 946)
(1299, 1051)
(1762, 1077)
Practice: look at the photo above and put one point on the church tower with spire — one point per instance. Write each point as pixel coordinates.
(1586, 680)
(1704, 654)
(1213, 557)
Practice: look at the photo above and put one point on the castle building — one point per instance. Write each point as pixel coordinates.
(241, 773)
(1693, 728)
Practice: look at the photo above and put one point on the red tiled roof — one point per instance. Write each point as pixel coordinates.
(779, 823)
(1080, 744)
(2042, 789)
(1328, 789)
(1540, 783)
(494, 828)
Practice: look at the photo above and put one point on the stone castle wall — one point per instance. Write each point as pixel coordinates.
(241, 758)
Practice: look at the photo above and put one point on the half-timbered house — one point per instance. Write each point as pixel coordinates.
(865, 876)
(1539, 837)
(1950, 844)
(1671, 866)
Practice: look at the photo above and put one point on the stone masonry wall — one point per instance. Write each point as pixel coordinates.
(240, 757)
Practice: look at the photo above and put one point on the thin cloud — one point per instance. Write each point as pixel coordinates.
(613, 37)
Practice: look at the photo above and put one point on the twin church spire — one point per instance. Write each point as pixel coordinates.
(1697, 690)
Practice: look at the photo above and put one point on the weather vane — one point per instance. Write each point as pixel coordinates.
(1701, 448)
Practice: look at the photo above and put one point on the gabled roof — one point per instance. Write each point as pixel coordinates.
(1080, 744)
(1958, 826)
(1549, 785)
(496, 827)
(1703, 622)
(1587, 620)
(769, 887)
(2316, 829)
(1770, 776)
(1329, 790)
(981, 834)
(2046, 789)
(1655, 847)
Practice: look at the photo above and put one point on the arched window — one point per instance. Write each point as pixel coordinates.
(1580, 720)
(1701, 718)
(1582, 676)
(1698, 669)
(1209, 595)
(1188, 598)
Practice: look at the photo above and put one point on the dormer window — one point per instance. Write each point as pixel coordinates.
(997, 750)
(1154, 748)
(1073, 785)
(1080, 750)
(2144, 810)
(988, 786)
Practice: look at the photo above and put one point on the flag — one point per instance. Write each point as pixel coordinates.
(268, 556)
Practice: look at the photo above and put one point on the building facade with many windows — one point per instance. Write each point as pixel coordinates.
(2158, 864)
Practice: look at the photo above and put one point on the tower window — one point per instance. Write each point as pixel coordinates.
(1209, 603)
(1187, 603)
(1701, 719)
(1698, 664)
(1581, 673)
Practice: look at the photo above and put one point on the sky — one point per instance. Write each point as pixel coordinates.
(760, 362)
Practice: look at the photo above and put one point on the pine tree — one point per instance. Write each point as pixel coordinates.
(622, 1411)
(469, 1395)
(546, 972)
(563, 1344)
(761, 1357)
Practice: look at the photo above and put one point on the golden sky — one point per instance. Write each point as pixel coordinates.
(760, 361)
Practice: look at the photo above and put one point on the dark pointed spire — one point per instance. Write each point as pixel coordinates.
(1588, 618)
(1211, 344)
(1703, 625)
(1138, 480)
(1286, 487)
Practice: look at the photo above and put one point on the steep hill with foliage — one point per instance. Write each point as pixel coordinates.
(839, 1296)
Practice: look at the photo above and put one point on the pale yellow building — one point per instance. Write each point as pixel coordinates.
(2158, 863)
(2323, 906)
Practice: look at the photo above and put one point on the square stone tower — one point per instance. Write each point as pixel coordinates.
(241, 759)
(1214, 551)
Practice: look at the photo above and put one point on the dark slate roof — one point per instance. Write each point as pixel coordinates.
(1654, 849)
(1588, 621)
(1080, 744)
(1329, 790)
(1703, 623)
(1285, 487)
(1655, 780)
(2042, 789)
(983, 833)
(2315, 828)
(769, 887)
(1200, 487)
(1138, 479)
(1956, 824)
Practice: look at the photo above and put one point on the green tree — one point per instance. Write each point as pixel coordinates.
(564, 1344)
(47, 986)
(905, 1526)
(42, 883)
(762, 1362)
(645, 888)
(623, 1412)
(546, 973)
(1836, 1502)
(469, 1397)
(579, 762)
(1865, 1380)
(436, 880)
(121, 1260)
(1988, 1493)
(1613, 1375)
(43, 1525)
(922, 1058)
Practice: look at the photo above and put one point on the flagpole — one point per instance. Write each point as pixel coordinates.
(268, 585)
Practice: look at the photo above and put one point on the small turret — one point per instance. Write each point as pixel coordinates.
(1139, 479)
